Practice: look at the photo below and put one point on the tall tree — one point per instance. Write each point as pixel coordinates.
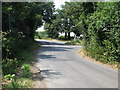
(27, 16)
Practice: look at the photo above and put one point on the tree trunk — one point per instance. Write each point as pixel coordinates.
(69, 36)
(65, 35)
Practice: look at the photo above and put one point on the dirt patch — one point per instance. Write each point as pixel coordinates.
(85, 55)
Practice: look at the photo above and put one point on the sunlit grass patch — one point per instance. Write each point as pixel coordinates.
(74, 42)
(20, 83)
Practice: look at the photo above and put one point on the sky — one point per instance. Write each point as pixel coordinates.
(60, 2)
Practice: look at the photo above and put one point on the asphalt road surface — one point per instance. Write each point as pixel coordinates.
(62, 67)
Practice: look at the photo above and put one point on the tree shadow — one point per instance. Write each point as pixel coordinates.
(45, 74)
(50, 43)
(55, 48)
(50, 47)
(38, 77)
(41, 56)
(50, 73)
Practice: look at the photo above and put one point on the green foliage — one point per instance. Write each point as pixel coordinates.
(15, 50)
(21, 83)
(22, 52)
(26, 18)
(103, 33)
(71, 18)
(26, 70)
(11, 44)
(52, 30)
(61, 37)
(9, 65)
(14, 85)
(19, 23)
(10, 77)
(42, 35)
(97, 21)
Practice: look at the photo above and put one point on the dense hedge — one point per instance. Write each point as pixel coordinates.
(103, 34)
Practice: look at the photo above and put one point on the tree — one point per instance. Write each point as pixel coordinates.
(27, 16)
(20, 21)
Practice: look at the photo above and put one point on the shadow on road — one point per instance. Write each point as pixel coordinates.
(47, 52)
(50, 72)
(55, 48)
(49, 48)
(47, 73)
(46, 56)
(50, 42)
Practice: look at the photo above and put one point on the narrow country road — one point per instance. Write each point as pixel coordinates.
(62, 67)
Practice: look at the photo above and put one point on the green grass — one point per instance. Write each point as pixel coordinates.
(20, 83)
(27, 55)
(112, 64)
(26, 71)
(74, 42)
(26, 58)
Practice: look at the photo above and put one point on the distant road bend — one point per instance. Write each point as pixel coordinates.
(62, 67)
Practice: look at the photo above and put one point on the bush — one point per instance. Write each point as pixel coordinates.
(103, 33)
(9, 65)
(13, 47)
(26, 70)
(42, 35)
(61, 37)
(10, 77)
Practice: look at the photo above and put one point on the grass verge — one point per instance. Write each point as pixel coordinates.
(55, 40)
(86, 54)
(74, 42)
(23, 76)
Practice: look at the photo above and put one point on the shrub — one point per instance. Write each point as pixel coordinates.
(26, 70)
(9, 65)
(10, 77)
(42, 35)
(103, 33)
